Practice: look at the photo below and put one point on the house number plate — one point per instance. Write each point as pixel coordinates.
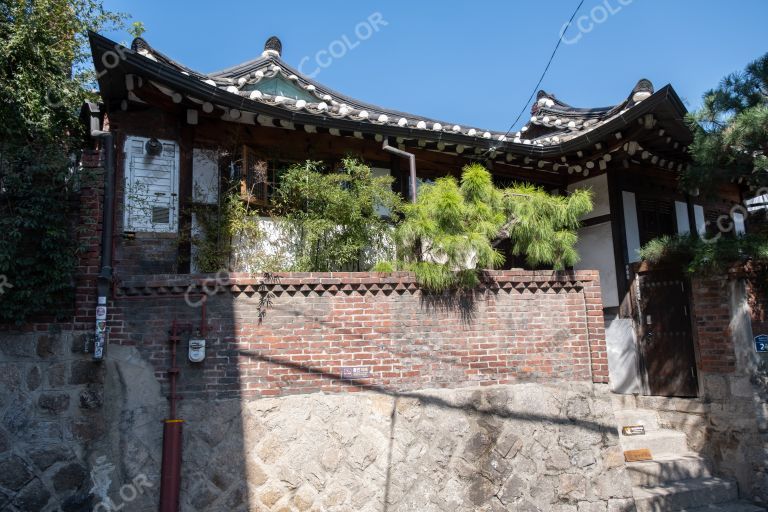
(761, 343)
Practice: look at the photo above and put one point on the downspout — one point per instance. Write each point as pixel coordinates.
(411, 160)
(105, 274)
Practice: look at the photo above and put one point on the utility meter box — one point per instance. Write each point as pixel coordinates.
(196, 350)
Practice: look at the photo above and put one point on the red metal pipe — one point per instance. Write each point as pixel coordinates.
(170, 476)
(203, 320)
(170, 483)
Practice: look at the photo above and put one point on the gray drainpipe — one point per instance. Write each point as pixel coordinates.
(411, 160)
(105, 275)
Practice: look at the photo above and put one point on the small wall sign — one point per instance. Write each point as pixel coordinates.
(761, 343)
(355, 372)
(633, 430)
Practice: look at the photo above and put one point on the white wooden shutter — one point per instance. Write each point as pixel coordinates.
(151, 187)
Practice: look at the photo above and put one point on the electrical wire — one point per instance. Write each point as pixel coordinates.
(541, 78)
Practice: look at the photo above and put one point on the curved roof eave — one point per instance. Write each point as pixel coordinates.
(182, 79)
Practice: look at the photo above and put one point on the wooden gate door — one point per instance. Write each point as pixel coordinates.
(663, 319)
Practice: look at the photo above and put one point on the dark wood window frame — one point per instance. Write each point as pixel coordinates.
(259, 176)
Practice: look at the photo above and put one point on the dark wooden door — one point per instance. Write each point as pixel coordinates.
(662, 309)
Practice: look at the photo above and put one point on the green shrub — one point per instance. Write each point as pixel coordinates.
(339, 220)
(706, 256)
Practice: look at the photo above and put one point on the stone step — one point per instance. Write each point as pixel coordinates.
(733, 506)
(661, 443)
(623, 401)
(665, 469)
(685, 494)
(626, 417)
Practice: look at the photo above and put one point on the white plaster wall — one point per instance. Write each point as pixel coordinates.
(595, 246)
(701, 223)
(599, 187)
(738, 223)
(623, 359)
(273, 251)
(681, 213)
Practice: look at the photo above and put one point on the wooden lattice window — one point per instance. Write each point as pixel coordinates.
(257, 178)
(656, 218)
(260, 176)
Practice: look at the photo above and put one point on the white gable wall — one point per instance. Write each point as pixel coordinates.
(595, 245)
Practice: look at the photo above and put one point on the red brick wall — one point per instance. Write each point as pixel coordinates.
(712, 316)
(145, 253)
(89, 240)
(522, 325)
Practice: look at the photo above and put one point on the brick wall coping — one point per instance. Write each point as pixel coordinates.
(345, 282)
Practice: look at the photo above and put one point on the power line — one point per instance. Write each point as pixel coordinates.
(541, 78)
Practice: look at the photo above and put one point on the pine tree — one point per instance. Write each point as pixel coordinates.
(730, 144)
(731, 131)
(452, 231)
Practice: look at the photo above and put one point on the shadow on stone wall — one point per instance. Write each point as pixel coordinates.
(51, 409)
(518, 447)
(88, 436)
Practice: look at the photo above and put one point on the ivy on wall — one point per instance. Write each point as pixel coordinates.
(43, 82)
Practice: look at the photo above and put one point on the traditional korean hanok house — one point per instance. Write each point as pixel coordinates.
(178, 132)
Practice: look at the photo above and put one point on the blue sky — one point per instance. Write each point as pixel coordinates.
(476, 62)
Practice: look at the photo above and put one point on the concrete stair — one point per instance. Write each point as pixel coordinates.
(668, 468)
(660, 442)
(676, 479)
(682, 494)
(736, 506)
(649, 419)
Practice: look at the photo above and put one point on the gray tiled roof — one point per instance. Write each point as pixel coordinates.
(552, 121)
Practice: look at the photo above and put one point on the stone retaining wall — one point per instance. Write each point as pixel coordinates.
(89, 437)
(525, 447)
(51, 409)
(519, 421)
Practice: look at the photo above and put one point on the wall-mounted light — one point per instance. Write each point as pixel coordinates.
(153, 147)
